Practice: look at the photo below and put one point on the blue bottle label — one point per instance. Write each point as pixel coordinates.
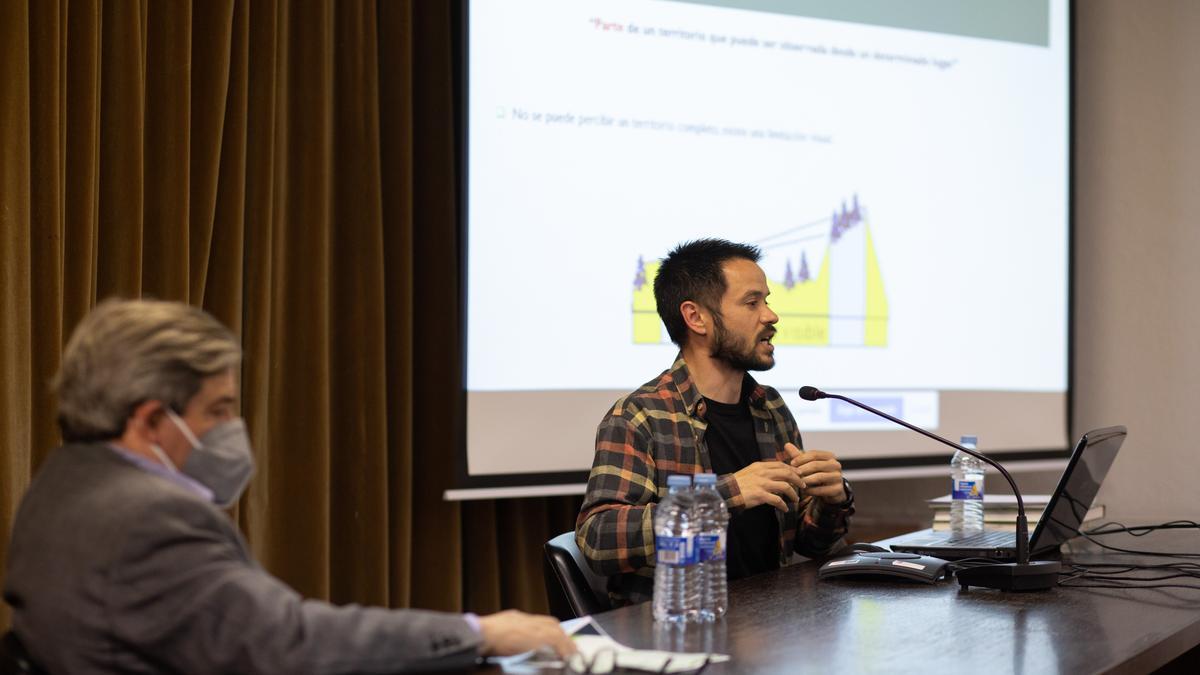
(712, 547)
(677, 551)
(967, 489)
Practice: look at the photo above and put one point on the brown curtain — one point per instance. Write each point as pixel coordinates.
(290, 167)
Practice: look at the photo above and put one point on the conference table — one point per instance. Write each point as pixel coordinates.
(789, 621)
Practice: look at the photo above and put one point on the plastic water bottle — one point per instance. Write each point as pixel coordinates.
(712, 522)
(676, 583)
(966, 490)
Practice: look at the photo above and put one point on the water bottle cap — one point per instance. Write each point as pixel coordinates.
(971, 441)
(705, 479)
(679, 480)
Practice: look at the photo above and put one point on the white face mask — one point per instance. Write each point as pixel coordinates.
(221, 461)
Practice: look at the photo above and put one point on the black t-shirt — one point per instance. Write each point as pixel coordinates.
(752, 545)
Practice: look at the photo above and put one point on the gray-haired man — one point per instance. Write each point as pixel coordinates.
(121, 559)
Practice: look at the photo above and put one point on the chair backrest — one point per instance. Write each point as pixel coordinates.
(13, 658)
(572, 587)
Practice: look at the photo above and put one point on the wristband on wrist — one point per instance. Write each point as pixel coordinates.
(849, 501)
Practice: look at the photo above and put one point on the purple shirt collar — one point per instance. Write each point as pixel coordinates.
(157, 469)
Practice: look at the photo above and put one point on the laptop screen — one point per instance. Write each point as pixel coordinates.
(1092, 458)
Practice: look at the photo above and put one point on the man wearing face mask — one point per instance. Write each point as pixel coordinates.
(122, 560)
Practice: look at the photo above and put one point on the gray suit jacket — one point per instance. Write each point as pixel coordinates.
(113, 568)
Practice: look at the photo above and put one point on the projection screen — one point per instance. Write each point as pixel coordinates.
(904, 168)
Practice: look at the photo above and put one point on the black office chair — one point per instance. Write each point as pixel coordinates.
(572, 587)
(14, 660)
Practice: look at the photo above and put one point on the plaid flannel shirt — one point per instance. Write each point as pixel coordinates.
(657, 431)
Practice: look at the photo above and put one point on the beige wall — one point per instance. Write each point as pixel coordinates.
(1137, 238)
(1137, 263)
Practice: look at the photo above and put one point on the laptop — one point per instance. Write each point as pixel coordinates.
(1090, 461)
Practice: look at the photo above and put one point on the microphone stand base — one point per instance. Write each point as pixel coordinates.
(1036, 575)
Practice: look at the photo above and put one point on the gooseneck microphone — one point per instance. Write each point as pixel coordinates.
(1023, 575)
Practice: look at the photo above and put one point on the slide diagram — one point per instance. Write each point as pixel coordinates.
(843, 304)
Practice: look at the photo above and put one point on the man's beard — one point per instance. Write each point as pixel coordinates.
(735, 352)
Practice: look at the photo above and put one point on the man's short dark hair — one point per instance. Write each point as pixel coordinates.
(692, 271)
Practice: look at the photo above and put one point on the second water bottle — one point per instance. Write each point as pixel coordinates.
(676, 582)
(966, 490)
(712, 519)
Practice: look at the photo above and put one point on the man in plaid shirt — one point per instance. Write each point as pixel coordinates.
(707, 414)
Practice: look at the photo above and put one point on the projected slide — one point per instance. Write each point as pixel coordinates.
(843, 304)
(902, 166)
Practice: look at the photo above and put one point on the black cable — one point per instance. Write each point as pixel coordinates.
(1115, 577)
(1113, 527)
(1126, 587)
(1124, 568)
(1121, 575)
(1141, 530)
(1167, 554)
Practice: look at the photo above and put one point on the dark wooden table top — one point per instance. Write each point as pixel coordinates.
(789, 622)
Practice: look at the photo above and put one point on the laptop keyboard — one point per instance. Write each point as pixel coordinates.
(982, 539)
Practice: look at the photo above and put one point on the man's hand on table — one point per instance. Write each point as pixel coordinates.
(513, 632)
